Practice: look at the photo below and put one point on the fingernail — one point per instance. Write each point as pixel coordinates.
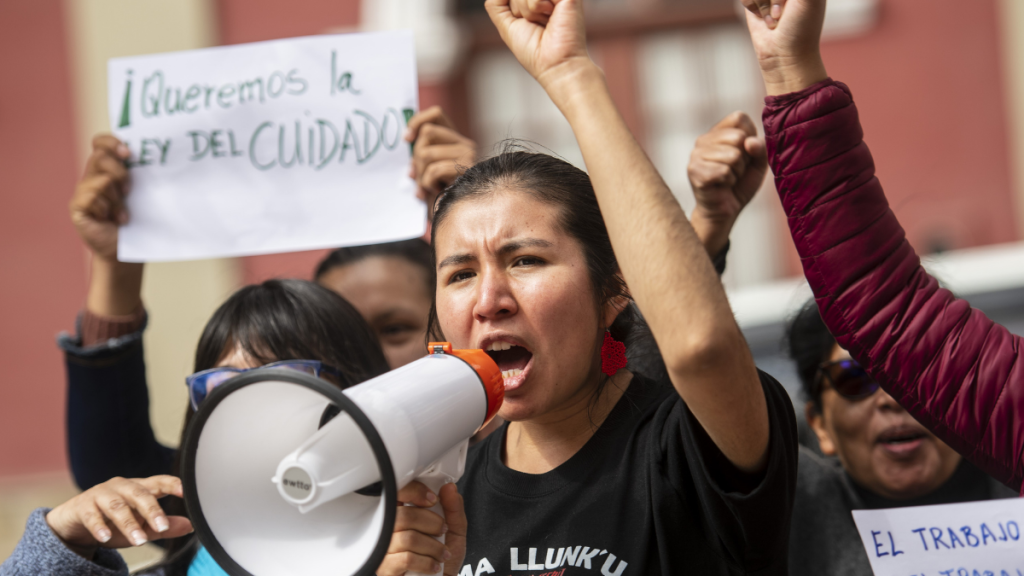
(104, 535)
(408, 135)
(161, 524)
(431, 497)
(447, 555)
(769, 21)
(437, 567)
(138, 538)
(444, 528)
(123, 151)
(776, 11)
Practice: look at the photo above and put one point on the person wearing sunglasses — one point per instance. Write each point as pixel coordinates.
(285, 324)
(873, 455)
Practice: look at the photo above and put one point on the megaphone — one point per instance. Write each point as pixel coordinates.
(286, 474)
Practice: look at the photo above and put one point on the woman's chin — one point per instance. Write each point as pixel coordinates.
(516, 410)
(909, 481)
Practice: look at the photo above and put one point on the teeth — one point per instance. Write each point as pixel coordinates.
(498, 346)
(511, 373)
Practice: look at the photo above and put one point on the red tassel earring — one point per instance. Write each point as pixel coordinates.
(613, 355)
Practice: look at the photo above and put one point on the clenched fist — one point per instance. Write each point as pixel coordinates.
(726, 169)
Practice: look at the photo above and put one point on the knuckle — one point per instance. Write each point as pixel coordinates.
(116, 505)
(409, 558)
(428, 131)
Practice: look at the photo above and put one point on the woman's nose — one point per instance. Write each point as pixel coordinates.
(884, 401)
(495, 299)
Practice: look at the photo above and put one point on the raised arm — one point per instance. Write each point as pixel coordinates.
(662, 259)
(108, 427)
(956, 371)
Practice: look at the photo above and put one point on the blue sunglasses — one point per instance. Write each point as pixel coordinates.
(201, 383)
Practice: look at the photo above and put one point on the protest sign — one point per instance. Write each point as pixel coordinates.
(267, 147)
(969, 539)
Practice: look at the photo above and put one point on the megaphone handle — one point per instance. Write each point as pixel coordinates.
(447, 469)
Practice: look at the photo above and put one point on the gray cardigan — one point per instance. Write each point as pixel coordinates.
(41, 553)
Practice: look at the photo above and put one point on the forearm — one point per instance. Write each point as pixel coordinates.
(108, 427)
(669, 274)
(115, 288)
(951, 367)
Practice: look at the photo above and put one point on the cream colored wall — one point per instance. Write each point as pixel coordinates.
(1012, 22)
(180, 297)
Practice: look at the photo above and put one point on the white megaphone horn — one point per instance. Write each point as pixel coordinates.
(285, 474)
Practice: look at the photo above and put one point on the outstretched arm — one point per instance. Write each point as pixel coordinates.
(661, 258)
(956, 371)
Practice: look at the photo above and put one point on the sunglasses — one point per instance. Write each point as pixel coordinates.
(846, 377)
(202, 383)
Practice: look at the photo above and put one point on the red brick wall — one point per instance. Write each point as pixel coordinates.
(929, 86)
(43, 278)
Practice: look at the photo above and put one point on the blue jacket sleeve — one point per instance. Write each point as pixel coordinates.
(108, 427)
(41, 553)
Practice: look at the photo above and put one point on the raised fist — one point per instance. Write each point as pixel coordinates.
(97, 207)
(726, 169)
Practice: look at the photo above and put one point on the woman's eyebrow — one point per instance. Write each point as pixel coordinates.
(456, 260)
(520, 243)
(507, 248)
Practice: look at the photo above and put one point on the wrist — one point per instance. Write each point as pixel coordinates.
(87, 552)
(571, 80)
(115, 288)
(712, 232)
(788, 75)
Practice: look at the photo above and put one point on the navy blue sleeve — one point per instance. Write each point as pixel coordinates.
(41, 553)
(109, 432)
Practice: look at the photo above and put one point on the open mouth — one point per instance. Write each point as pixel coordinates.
(901, 440)
(512, 360)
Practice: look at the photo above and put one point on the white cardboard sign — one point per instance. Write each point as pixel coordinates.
(267, 147)
(969, 539)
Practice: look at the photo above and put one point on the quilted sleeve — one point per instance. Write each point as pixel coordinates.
(958, 372)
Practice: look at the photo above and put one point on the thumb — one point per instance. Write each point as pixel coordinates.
(757, 150)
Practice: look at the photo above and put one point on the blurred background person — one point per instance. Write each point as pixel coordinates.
(954, 369)
(875, 456)
(389, 284)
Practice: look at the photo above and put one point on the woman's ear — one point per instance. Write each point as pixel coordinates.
(816, 420)
(615, 305)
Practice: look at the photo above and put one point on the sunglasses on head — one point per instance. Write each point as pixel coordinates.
(847, 377)
(201, 383)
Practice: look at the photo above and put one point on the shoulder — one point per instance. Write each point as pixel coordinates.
(997, 490)
(818, 476)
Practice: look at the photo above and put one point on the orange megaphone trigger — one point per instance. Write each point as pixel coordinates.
(486, 369)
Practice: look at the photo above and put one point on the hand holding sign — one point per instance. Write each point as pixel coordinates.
(267, 147)
(440, 153)
(97, 208)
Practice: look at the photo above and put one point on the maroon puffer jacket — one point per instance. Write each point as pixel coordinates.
(956, 371)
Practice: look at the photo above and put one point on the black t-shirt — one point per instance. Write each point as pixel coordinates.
(649, 493)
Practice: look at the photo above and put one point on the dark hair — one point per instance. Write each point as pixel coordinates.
(558, 183)
(281, 320)
(415, 251)
(809, 344)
